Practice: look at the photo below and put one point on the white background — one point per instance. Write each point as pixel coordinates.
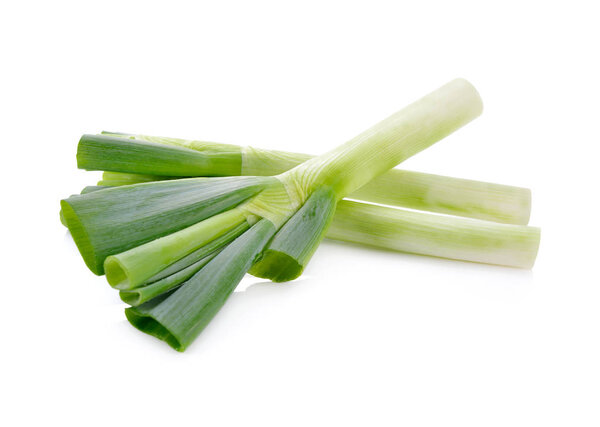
(365, 337)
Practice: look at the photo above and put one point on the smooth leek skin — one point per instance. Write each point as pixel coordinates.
(103, 152)
(435, 235)
(451, 196)
(294, 245)
(117, 219)
(393, 140)
(179, 318)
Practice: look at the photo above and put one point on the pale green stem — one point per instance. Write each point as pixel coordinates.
(377, 150)
(435, 235)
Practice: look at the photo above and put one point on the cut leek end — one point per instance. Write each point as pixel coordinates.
(81, 238)
(137, 266)
(534, 247)
(116, 273)
(149, 325)
(63, 221)
(523, 216)
(293, 246)
(132, 297)
(85, 190)
(277, 266)
(179, 317)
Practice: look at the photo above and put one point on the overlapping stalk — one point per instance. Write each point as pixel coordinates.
(188, 242)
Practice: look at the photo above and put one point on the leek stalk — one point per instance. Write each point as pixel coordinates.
(420, 233)
(132, 159)
(430, 234)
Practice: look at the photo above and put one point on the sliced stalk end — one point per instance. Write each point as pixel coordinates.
(81, 238)
(63, 221)
(523, 215)
(135, 267)
(277, 266)
(293, 246)
(117, 275)
(132, 298)
(179, 317)
(151, 326)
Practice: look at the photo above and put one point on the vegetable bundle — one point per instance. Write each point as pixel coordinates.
(176, 224)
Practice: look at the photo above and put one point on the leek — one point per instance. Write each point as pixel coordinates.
(139, 158)
(430, 234)
(416, 232)
(139, 230)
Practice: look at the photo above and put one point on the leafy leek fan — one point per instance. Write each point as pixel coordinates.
(177, 248)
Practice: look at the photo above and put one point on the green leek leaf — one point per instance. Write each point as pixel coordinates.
(114, 220)
(179, 317)
(104, 152)
(293, 246)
